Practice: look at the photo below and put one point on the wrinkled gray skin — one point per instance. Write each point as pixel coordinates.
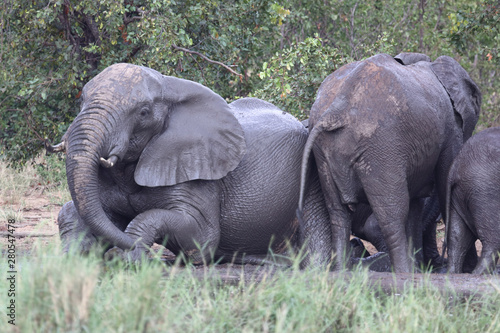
(365, 226)
(152, 158)
(473, 203)
(384, 133)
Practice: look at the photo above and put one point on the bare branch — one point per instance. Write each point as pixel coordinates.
(30, 125)
(178, 48)
(352, 35)
(439, 16)
(128, 20)
(421, 19)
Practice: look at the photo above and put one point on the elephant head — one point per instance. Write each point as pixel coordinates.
(173, 130)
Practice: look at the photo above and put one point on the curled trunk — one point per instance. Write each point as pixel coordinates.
(84, 150)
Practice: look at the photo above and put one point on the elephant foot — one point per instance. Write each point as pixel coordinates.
(440, 270)
(379, 262)
(74, 234)
(136, 255)
(358, 249)
(437, 264)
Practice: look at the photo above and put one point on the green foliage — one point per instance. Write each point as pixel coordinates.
(292, 77)
(355, 26)
(49, 51)
(51, 170)
(475, 33)
(276, 50)
(477, 25)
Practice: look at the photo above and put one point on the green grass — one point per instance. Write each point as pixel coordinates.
(69, 293)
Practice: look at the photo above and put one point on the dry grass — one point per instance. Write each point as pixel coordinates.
(15, 183)
(71, 293)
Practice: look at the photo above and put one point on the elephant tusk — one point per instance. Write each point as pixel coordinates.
(61, 147)
(108, 163)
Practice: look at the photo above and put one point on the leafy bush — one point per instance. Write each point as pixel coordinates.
(48, 52)
(276, 50)
(292, 77)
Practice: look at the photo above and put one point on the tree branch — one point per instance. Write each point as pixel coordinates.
(178, 48)
(352, 35)
(29, 124)
(439, 16)
(421, 19)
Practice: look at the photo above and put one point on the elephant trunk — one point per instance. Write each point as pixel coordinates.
(84, 149)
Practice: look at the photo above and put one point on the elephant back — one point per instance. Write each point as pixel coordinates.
(269, 132)
(478, 157)
(260, 196)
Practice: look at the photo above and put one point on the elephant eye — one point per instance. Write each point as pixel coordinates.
(144, 112)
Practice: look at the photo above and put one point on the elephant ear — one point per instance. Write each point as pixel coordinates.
(464, 93)
(408, 58)
(201, 139)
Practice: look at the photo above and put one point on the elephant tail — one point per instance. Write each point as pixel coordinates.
(449, 185)
(304, 166)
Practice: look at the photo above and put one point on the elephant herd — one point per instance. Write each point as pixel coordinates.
(386, 152)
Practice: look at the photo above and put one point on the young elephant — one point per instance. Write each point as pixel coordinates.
(473, 197)
(153, 158)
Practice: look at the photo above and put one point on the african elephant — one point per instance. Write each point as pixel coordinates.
(473, 196)
(153, 158)
(384, 133)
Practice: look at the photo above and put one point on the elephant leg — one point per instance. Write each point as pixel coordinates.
(379, 262)
(72, 231)
(315, 231)
(488, 259)
(430, 217)
(340, 219)
(341, 232)
(177, 230)
(358, 249)
(441, 174)
(430, 250)
(471, 259)
(374, 235)
(460, 240)
(414, 229)
(391, 210)
(486, 217)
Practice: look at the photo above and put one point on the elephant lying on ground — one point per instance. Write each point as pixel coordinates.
(153, 158)
(384, 133)
(473, 203)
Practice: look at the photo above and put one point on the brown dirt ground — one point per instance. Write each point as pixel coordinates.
(39, 226)
(38, 222)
